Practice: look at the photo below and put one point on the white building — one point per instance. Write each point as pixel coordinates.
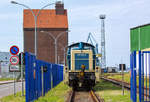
(4, 63)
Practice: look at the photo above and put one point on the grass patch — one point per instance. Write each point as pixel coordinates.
(111, 93)
(127, 78)
(12, 98)
(119, 77)
(5, 79)
(57, 94)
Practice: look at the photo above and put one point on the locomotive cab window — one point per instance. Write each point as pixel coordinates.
(81, 59)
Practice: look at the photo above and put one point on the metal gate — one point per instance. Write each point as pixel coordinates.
(34, 78)
(140, 76)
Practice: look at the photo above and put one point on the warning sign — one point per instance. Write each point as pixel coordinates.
(14, 60)
(14, 50)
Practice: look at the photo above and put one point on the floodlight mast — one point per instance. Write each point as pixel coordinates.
(103, 58)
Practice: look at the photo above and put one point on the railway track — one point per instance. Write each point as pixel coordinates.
(83, 96)
(117, 82)
(127, 86)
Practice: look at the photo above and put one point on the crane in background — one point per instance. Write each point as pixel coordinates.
(92, 41)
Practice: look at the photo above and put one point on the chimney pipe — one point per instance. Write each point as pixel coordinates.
(59, 8)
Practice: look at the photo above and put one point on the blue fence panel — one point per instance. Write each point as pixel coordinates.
(134, 77)
(61, 73)
(29, 68)
(33, 76)
(131, 80)
(54, 74)
(140, 66)
(140, 77)
(39, 78)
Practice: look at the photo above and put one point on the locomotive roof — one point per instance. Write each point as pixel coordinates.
(76, 44)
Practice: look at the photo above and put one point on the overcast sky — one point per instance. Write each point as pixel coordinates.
(83, 16)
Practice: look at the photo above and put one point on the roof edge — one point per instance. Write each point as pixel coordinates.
(140, 26)
(81, 42)
(42, 10)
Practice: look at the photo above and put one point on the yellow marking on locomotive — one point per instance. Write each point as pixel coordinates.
(81, 73)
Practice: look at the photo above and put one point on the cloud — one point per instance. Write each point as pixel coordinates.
(12, 16)
(121, 15)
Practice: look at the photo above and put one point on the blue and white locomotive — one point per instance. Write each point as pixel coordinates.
(82, 69)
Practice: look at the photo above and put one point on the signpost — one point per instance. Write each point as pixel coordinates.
(22, 74)
(122, 67)
(14, 50)
(14, 68)
(14, 60)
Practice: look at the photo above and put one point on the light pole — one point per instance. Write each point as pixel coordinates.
(64, 49)
(35, 20)
(55, 41)
(0, 68)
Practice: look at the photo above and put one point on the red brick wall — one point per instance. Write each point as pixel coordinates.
(45, 44)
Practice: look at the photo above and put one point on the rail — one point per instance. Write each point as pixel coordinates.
(83, 96)
(126, 85)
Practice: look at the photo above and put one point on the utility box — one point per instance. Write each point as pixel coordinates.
(122, 66)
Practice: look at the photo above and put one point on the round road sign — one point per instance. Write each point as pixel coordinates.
(14, 60)
(14, 50)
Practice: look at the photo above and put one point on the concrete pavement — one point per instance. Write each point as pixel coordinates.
(6, 82)
(8, 89)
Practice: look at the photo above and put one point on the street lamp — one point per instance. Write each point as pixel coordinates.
(0, 67)
(55, 40)
(35, 20)
(64, 49)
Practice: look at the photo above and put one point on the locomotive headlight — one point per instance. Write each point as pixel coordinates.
(66, 70)
(92, 77)
(96, 69)
(71, 77)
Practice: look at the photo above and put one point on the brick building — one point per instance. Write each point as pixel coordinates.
(54, 21)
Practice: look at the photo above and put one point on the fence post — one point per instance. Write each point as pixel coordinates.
(140, 87)
(134, 77)
(42, 81)
(51, 76)
(149, 72)
(26, 77)
(131, 80)
(142, 78)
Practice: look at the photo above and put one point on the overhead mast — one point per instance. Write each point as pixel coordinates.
(103, 58)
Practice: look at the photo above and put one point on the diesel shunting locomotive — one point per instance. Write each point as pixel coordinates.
(82, 68)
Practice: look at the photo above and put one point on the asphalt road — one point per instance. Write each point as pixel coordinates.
(8, 89)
